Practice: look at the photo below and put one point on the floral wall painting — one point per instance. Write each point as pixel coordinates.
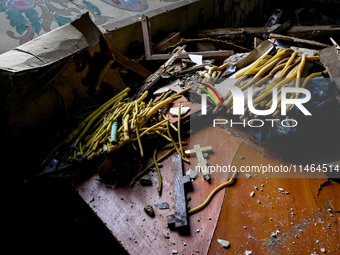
(129, 5)
(30, 18)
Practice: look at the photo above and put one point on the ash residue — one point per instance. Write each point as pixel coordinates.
(272, 243)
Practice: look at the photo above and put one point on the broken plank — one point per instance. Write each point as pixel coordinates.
(330, 58)
(222, 44)
(230, 33)
(306, 32)
(130, 64)
(168, 41)
(298, 40)
(180, 218)
(205, 54)
(156, 75)
(146, 37)
(312, 32)
(242, 36)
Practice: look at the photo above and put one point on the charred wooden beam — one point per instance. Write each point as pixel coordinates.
(168, 41)
(241, 35)
(232, 33)
(330, 58)
(130, 64)
(180, 218)
(313, 32)
(298, 41)
(205, 54)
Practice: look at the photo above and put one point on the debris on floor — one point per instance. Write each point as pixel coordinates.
(164, 205)
(270, 86)
(223, 243)
(174, 111)
(193, 174)
(145, 180)
(148, 209)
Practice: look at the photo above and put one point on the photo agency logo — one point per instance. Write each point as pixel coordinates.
(281, 103)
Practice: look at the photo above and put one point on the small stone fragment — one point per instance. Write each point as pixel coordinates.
(323, 250)
(164, 205)
(193, 174)
(223, 243)
(149, 210)
(174, 252)
(281, 189)
(175, 110)
(163, 89)
(145, 180)
(248, 252)
(273, 234)
(248, 176)
(252, 193)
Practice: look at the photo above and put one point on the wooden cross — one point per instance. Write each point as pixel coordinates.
(202, 162)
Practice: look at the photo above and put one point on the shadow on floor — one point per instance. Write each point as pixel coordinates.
(48, 216)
